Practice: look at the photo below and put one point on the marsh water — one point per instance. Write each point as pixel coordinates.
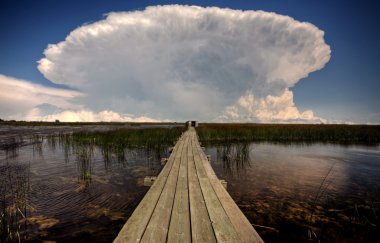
(304, 192)
(60, 192)
(289, 192)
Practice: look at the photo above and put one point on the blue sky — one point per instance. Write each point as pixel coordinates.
(345, 90)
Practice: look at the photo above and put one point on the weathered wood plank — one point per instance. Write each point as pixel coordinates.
(158, 226)
(179, 229)
(187, 203)
(133, 230)
(241, 224)
(201, 228)
(223, 228)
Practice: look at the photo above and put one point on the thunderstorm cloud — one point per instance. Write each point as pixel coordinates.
(183, 62)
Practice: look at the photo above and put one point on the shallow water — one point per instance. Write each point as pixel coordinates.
(298, 193)
(75, 193)
(291, 193)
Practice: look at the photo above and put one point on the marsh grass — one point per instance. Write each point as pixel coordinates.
(14, 202)
(37, 142)
(344, 134)
(11, 146)
(84, 155)
(46, 123)
(329, 218)
(322, 216)
(118, 140)
(235, 157)
(127, 138)
(114, 145)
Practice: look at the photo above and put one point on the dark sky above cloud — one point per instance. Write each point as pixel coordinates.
(333, 93)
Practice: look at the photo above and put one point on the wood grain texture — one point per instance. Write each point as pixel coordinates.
(201, 227)
(179, 229)
(187, 203)
(158, 226)
(133, 230)
(241, 224)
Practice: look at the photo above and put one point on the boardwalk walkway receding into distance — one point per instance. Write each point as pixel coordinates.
(187, 203)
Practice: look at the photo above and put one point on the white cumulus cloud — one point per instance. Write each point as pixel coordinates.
(37, 114)
(18, 97)
(187, 62)
(279, 108)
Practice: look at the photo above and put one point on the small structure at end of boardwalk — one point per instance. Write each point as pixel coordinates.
(192, 124)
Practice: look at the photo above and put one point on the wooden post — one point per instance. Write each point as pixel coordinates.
(164, 160)
(224, 184)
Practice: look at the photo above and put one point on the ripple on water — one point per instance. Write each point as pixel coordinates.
(287, 191)
(71, 200)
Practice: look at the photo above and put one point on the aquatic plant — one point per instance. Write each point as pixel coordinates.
(83, 155)
(11, 145)
(37, 141)
(14, 202)
(221, 133)
(113, 144)
(119, 139)
(47, 123)
(235, 157)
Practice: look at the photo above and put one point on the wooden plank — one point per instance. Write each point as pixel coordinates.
(133, 230)
(241, 224)
(223, 228)
(158, 226)
(179, 229)
(201, 228)
(187, 203)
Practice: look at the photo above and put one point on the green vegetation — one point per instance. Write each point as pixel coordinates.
(235, 157)
(221, 133)
(114, 144)
(127, 138)
(14, 202)
(58, 123)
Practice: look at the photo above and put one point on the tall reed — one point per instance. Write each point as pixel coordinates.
(14, 202)
(220, 133)
(113, 144)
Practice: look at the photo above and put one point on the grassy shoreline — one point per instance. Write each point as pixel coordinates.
(46, 123)
(233, 132)
(345, 134)
(124, 137)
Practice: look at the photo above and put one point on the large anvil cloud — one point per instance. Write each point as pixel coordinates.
(180, 62)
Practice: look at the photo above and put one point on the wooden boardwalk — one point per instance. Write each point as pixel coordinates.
(187, 203)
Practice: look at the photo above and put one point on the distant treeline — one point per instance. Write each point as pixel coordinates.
(360, 134)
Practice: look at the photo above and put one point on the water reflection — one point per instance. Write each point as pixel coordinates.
(11, 145)
(292, 193)
(83, 155)
(37, 142)
(299, 192)
(234, 157)
(73, 190)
